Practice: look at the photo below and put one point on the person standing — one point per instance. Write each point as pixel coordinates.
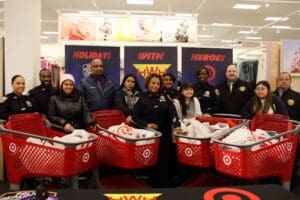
(15, 102)
(206, 92)
(68, 109)
(168, 86)
(42, 93)
(127, 96)
(290, 97)
(233, 93)
(97, 90)
(153, 110)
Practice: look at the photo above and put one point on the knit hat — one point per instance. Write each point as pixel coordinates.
(67, 77)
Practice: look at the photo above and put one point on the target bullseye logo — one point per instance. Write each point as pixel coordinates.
(227, 160)
(12, 147)
(289, 146)
(188, 152)
(229, 194)
(86, 157)
(146, 153)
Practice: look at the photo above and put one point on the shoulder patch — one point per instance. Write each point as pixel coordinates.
(3, 99)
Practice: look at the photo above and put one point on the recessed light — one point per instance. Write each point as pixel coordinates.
(276, 19)
(205, 36)
(253, 38)
(221, 24)
(140, 2)
(227, 41)
(235, 45)
(246, 6)
(281, 27)
(248, 32)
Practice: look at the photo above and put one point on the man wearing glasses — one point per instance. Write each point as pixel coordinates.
(97, 89)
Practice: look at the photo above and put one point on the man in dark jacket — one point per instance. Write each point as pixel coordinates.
(290, 97)
(97, 89)
(233, 93)
(41, 94)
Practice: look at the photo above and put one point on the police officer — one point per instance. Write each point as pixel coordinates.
(42, 93)
(16, 102)
(290, 97)
(154, 110)
(206, 93)
(233, 93)
(168, 83)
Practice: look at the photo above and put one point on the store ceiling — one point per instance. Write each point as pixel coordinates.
(209, 11)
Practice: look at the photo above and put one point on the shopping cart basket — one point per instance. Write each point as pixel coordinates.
(24, 158)
(198, 152)
(274, 159)
(119, 151)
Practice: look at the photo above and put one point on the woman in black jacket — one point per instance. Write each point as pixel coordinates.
(153, 110)
(263, 102)
(127, 96)
(69, 109)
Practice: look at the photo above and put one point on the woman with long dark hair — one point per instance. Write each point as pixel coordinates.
(127, 96)
(263, 102)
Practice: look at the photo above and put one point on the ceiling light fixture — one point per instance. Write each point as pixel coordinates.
(140, 2)
(221, 24)
(281, 27)
(253, 38)
(205, 36)
(276, 19)
(246, 6)
(184, 15)
(204, 28)
(44, 37)
(278, 31)
(227, 41)
(235, 45)
(248, 32)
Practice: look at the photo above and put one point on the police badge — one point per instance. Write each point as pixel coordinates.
(291, 102)
(242, 89)
(86, 68)
(162, 98)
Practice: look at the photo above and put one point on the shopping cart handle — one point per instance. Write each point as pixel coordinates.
(157, 134)
(227, 115)
(66, 144)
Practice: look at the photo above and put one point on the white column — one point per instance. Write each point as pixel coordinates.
(22, 29)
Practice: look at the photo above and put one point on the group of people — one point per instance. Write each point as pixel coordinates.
(161, 107)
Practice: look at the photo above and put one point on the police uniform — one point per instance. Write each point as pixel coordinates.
(207, 97)
(13, 104)
(170, 93)
(291, 99)
(233, 102)
(41, 96)
(155, 108)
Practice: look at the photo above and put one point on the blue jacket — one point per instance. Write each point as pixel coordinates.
(277, 105)
(95, 99)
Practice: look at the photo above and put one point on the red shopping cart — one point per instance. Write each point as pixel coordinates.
(36, 154)
(119, 151)
(274, 159)
(197, 152)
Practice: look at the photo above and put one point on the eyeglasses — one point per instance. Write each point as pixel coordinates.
(97, 66)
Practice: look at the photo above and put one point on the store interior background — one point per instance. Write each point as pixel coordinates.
(260, 39)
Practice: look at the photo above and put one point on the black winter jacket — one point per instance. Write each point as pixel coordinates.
(71, 109)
